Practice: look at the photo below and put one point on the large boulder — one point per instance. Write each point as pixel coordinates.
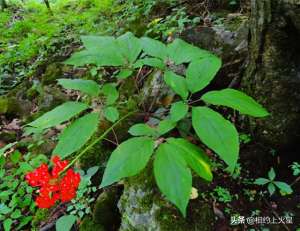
(143, 208)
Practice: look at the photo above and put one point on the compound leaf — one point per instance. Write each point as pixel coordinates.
(128, 159)
(177, 83)
(89, 87)
(201, 72)
(111, 113)
(59, 115)
(178, 111)
(194, 156)
(76, 135)
(236, 100)
(173, 176)
(141, 130)
(217, 133)
(130, 46)
(154, 48)
(180, 51)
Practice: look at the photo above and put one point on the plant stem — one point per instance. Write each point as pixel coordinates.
(97, 140)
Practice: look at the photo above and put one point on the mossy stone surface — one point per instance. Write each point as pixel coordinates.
(52, 73)
(144, 208)
(88, 224)
(3, 105)
(106, 211)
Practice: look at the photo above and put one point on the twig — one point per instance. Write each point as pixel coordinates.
(115, 135)
(295, 181)
(111, 141)
(275, 214)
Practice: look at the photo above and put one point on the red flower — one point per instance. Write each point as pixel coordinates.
(52, 186)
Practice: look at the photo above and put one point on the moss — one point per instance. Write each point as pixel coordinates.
(3, 105)
(144, 208)
(234, 22)
(105, 211)
(52, 73)
(87, 224)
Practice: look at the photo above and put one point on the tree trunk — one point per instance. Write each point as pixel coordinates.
(273, 72)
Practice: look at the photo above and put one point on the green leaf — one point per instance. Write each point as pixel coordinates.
(100, 50)
(180, 51)
(178, 111)
(24, 221)
(217, 133)
(16, 214)
(271, 174)
(89, 87)
(76, 135)
(271, 188)
(130, 46)
(177, 83)
(154, 48)
(284, 187)
(107, 49)
(15, 157)
(261, 181)
(201, 72)
(92, 171)
(152, 62)
(128, 159)
(111, 93)
(194, 156)
(172, 175)
(59, 115)
(124, 74)
(7, 224)
(111, 113)
(4, 209)
(65, 223)
(83, 58)
(24, 168)
(165, 126)
(236, 100)
(141, 130)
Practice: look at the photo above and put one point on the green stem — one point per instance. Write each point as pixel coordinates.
(97, 140)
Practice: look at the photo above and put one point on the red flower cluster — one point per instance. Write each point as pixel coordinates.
(52, 186)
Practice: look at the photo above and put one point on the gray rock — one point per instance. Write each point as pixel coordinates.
(143, 208)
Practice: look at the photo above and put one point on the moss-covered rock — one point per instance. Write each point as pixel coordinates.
(88, 224)
(143, 208)
(52, 73)
(3, 105)
(50, 97)
(106, 211)
(14, 106)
